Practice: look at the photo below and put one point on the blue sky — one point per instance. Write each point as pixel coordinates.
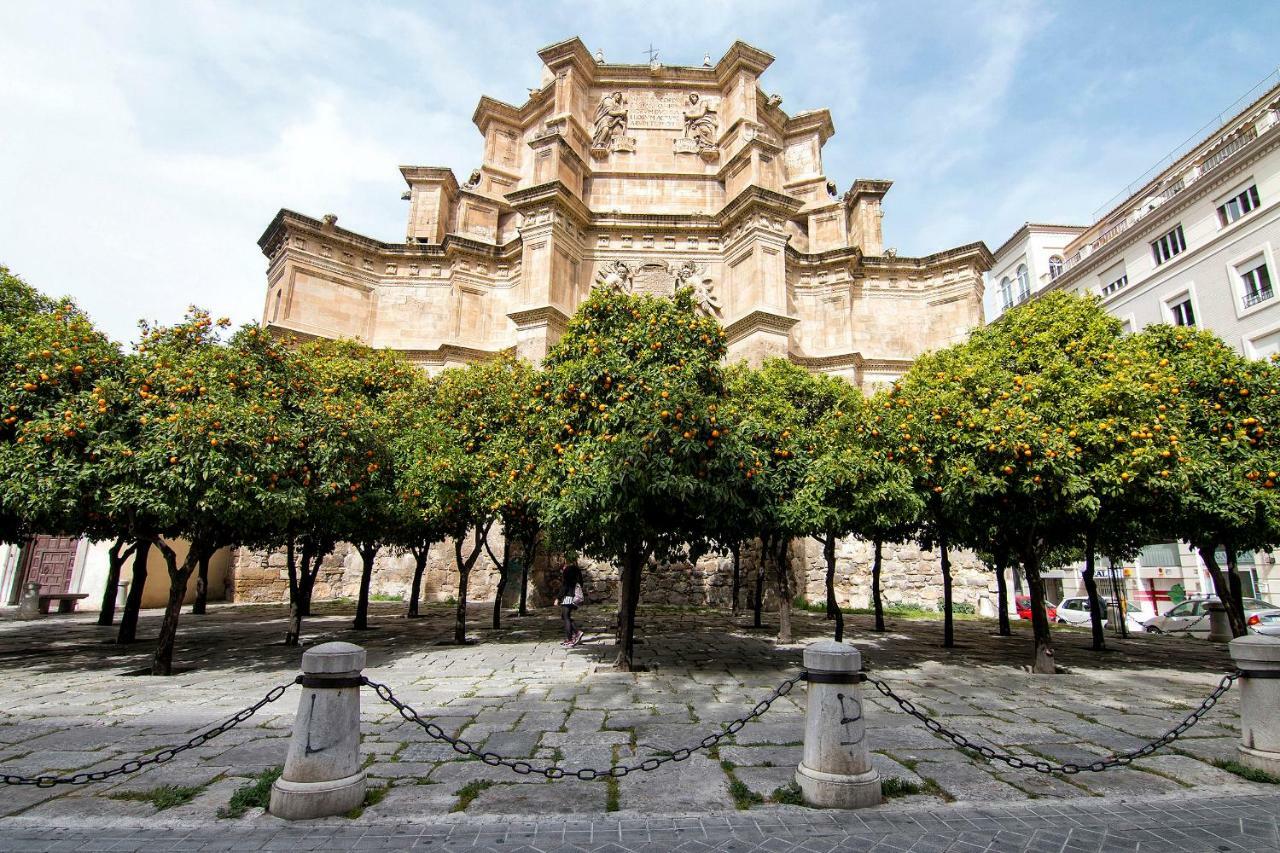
(145, 146)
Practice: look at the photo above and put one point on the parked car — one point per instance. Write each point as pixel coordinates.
(1023, 603)
(1267, 623)
(1191, 617)
(1075, 611)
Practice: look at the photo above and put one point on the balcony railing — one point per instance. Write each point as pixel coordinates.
(1165, 555)
(1253, 297)
(1247, 135)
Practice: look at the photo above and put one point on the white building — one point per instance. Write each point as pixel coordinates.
(1025, 264)
(1192, 243)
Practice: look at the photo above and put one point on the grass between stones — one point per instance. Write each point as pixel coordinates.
(788, 795)
(372, 796)
(892, 786)
(612, 790)
(468, 792)
(1251, 773)
(254, 795)
(163, 797)
(743, 797)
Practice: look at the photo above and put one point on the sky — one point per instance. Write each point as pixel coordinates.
(144, 147)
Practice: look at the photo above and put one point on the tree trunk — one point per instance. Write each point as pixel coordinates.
(735, 551)
(783, 582)
(1237, 589)
(948, 617)
(464, 573)
(368, 551)
(179, 576)
(1223, 588)
(1043, 663)
(133, 604)
(1002, 599)
(759, 599)
(1091, 590)
(526, 559)
(115, 558)
(629, 596)
(877, 601)
(420, 554)
(502, 580)
(200, 605)
(833, 609)
(293, 633)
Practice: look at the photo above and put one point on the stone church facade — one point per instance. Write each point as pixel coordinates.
(643, 178)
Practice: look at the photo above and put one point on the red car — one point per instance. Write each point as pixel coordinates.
(1023, 603)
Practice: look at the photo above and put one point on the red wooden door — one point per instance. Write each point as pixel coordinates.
(52, 560)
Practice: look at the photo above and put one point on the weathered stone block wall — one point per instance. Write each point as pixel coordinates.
(910, 575)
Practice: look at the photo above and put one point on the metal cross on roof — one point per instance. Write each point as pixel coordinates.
(653, 53)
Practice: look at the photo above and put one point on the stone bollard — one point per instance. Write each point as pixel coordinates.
(1258, 658)
(322, 774)
(1219, 625)
(836, 770)
(29, 604)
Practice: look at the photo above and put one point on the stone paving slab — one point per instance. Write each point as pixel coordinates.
(70, 706)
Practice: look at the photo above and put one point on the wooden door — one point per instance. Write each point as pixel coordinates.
(51, 561)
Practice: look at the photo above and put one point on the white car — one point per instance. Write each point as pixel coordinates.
(1075, 611)
(1191, 617)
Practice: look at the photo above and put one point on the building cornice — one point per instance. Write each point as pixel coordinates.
(1166, 213)
(759, 321)
(1025, 229)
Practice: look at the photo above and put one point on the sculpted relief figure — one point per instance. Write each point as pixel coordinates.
(615, 275)
(611, 120)
(700, 122)
(689, 274)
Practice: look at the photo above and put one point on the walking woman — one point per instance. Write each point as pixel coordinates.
(571, 597)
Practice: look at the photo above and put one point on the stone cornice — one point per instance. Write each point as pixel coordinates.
(491, 109)
(1025, 229)
(548, 314)
(570, 52)
(868, 187)
(755, 196)
(552, 192)
(741, 55)
(289, 221)
(759, 321)
(429, 174)
(809, 121)
(441, 355)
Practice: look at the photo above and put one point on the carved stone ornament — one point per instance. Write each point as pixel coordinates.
(610, 125)
(474, 180)
(701, 129)
(616, 275)
(690, 274)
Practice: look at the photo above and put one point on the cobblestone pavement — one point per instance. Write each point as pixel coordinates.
(71, 704)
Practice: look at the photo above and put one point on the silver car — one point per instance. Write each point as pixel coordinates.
(1268, 623)
(1191, 617)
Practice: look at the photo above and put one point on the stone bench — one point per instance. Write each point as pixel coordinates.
(66, 601)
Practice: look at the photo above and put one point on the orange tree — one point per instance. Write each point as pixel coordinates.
(512, 436)
(198, 463)
(633, 398)
(51, 358)
(855, 486)
(1014, 435)
(423, 457)
(347, 435)
(776, 412)
(1231, 499)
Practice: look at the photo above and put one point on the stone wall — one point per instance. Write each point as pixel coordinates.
(909, 576)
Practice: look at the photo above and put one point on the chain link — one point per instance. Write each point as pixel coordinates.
(160, 757)
(1069, 768)
(525, 768)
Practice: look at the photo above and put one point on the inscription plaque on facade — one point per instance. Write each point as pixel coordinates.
(656, 110)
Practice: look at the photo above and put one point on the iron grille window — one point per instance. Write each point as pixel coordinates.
(1257, 284)
(1169, 245)
(1234, 208)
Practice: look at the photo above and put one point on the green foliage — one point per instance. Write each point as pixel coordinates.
(163, 797)
(254, 795)
(468, 792)
(373, 795)
(1253, 774)
(892, 786)
(788, 795)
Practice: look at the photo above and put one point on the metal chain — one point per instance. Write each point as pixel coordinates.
(136, 764)
(1069, 768)
(525, 768)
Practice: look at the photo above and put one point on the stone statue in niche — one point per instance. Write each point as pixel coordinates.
(611, 124)
(615, 275)
(701, 129)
